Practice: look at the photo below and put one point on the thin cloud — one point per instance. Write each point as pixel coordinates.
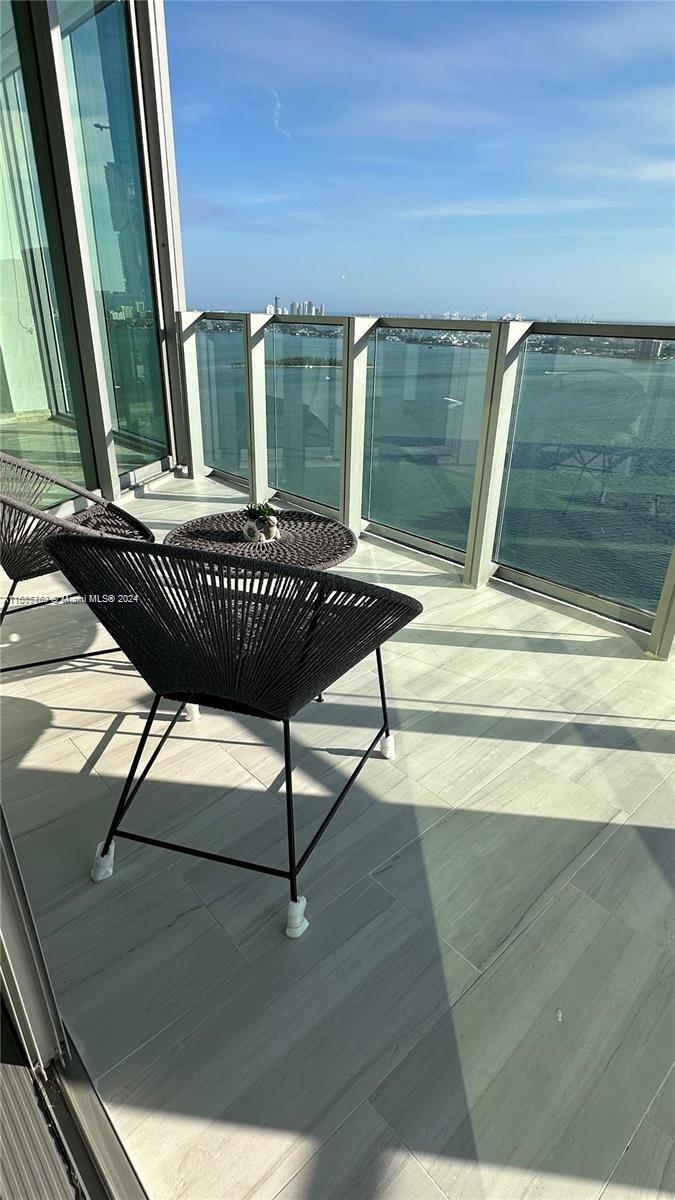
(517, 207)
(634, 232)
(408, 117)
(276, 115)
(194, 112)
(655, 170)
(243, 210)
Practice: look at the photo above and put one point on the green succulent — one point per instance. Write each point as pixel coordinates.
(258, 512)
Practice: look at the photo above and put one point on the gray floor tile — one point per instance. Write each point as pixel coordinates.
(46, 782)
(127, 963)
(56, 858)
(483, 872)
(363, 1159)
(534, 1082)
(382, 812)
(240, 1092)
(633, 874)
(662, 1111)
(618, 760)
(647, 1169)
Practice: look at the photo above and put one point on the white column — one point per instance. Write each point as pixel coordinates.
(256, 397)
(660, 641)
(505, 344)
(354, 367)
(186, 323)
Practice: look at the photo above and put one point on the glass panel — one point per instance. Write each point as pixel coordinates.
(37, 419)
(589, 495)
(101, 101)
(424, 403)
(222, 395)
(304, 409)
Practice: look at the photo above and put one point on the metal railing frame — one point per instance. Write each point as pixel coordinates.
(660, 641)
(507, 339)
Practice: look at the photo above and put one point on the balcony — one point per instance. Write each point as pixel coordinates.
(482, 1005)
(542, 453)
(489, 959)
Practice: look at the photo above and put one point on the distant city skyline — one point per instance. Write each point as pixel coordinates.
(427, 158)
(296, 308)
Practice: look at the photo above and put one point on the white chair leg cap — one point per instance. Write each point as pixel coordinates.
(388, 746)
(192, 712)
(103, 863)
(296, 921)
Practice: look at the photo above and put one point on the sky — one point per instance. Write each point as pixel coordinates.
(427, 157)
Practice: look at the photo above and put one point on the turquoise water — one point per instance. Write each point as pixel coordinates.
(589, 498)
(222, 391)
(304, 412)
(589, 495)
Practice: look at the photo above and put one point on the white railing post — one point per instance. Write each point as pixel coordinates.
(256, 399)
(660, 641)
(354, 385)
(186, 324)
(502, 373)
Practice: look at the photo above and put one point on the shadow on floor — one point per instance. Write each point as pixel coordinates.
(458, 1012)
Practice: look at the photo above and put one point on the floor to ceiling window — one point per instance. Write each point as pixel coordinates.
(40, 419)
(96, 51)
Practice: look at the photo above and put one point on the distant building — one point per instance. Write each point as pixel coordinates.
(297, 308)
(269, 309)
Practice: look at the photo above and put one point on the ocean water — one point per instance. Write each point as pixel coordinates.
(589, 495)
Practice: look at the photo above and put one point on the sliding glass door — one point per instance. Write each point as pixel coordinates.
(42, 415)
(96, 51)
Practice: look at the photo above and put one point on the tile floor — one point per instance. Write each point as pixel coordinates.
(482, 1007)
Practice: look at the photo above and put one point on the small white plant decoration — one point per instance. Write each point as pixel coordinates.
(261, 524)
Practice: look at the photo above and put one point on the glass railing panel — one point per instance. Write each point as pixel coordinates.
(304, 409)
(222, 394)
(589, 493)
(423, 413)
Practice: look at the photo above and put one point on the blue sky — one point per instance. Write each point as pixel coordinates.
(421, 157)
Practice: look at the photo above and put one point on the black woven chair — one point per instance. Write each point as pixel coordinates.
(237, 634)
(24, 527)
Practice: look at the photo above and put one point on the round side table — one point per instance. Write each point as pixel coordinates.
(307, 539)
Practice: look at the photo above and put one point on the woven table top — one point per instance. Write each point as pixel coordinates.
(307, 539)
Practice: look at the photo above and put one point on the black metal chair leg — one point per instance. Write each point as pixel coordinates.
(290, 820)
(383, 694)
(121, 804)
(387, 743)
(296, 921)
(8, 601)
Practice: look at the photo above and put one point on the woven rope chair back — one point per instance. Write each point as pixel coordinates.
(22, 481)
(260, 637)
(23, 525)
